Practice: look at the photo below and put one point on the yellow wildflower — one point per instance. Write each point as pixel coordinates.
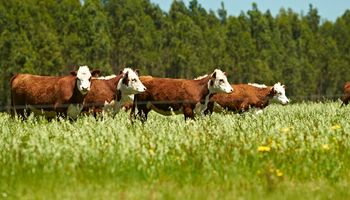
(279, 173)
(335, 127)
(264, 148)
(285, 130)
(151, 152)
(325, 147)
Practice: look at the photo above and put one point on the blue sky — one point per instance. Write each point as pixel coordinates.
(327, 9)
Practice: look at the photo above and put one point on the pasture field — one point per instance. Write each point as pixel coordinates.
(298, 151)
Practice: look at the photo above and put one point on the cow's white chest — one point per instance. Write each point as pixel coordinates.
(163, 112)
(74, 110)
(115, 106)
(200, 108)
(108, 106)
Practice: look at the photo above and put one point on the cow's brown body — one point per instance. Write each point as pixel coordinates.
(46, 93)
(101, 91)
(168, 96)
(346, 96)
(242, 98)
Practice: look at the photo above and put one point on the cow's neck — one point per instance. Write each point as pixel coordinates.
(113, 83)
(265, 95)
(77, 96)
(121, 98)
(205, 93)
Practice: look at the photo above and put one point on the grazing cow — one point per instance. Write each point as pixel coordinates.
(247, 96)
(50, 95)
(346, 96)
(112, 92)
(174, 96)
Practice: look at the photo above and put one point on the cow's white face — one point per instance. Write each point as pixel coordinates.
(83, 79)
(280, 93)
(218, 82)
(130, 83)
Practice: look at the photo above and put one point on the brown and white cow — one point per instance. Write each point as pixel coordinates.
(50, 95)
(169, 96)
(247, 96)
(112, 92)
(346, 97)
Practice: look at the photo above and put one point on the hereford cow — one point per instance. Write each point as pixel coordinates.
(174, 96)
(50, 95)
(112, 92)
(247, 96)
(346, 96)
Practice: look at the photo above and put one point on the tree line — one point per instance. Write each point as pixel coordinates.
(49, 37)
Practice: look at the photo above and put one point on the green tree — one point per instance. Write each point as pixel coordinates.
(95, 38)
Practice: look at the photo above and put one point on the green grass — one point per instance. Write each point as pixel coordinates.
(304, 154)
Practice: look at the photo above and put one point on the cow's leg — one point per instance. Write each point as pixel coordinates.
(21, 112)
(143, 113)
(210, 108)
(60, 109)
(188, 112)
(345, 100)
(18, 107)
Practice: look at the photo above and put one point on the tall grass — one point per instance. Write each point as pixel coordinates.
(294, 151)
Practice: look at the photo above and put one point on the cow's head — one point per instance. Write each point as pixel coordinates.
(218, 82)
(83, 78)
(130, 83)
(280, 93)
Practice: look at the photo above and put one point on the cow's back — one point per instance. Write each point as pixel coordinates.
(242, 98)
(33, 89)
(101, 91)
(168, 89)
(238, 99)
(43, 93)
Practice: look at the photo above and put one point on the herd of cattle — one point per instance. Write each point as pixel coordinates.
(84, 91)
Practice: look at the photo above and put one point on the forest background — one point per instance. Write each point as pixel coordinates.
(51, 37)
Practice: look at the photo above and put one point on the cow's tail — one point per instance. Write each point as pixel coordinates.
(12, 105)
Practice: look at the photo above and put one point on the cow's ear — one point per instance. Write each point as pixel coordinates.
(137, 71)
(272, 91)
(73, 73)
(211, 83)
(95, 73)
(213, 75)
(285, 87)
(125, 80)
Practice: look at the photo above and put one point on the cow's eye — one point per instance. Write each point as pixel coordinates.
(133, 80)
(221, 80)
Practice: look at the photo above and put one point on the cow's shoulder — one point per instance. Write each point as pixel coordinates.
(65, 87)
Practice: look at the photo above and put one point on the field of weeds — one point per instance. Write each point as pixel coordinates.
(298, 151)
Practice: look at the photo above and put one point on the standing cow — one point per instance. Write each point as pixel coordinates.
(50, 95)
(247, 96)
(175, 96)
(346, 96)
(112, 92)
